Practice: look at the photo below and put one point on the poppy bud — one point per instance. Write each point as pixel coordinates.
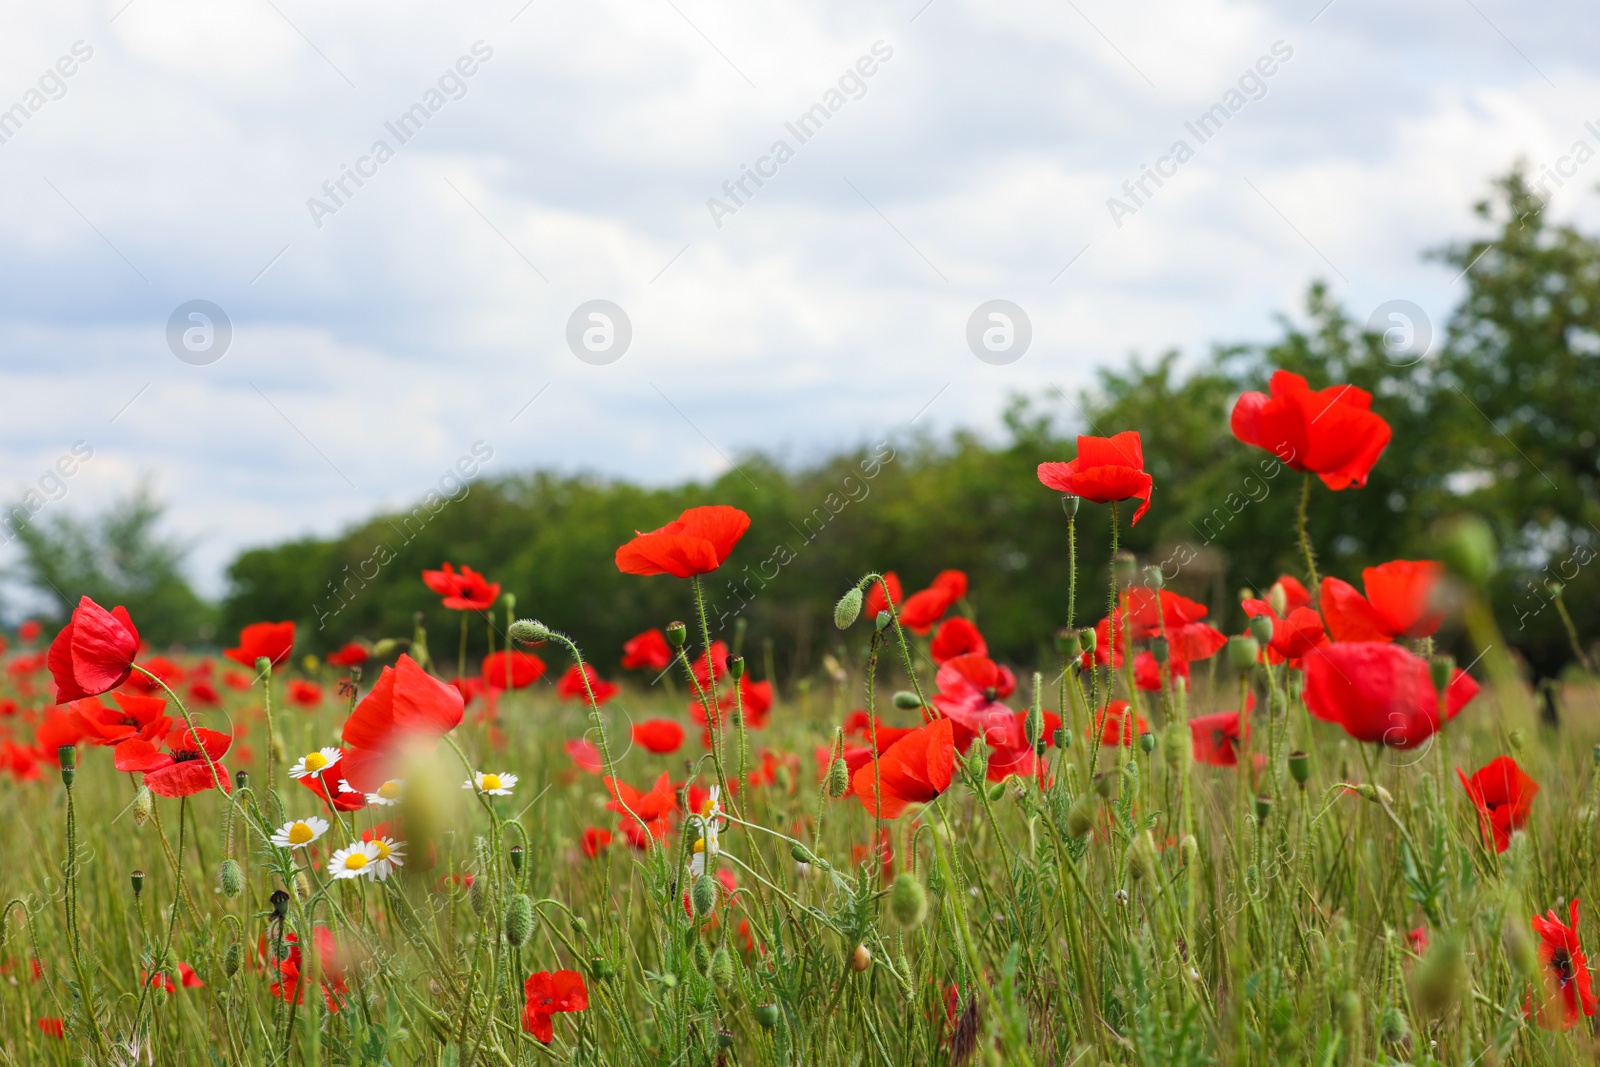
(702, 958)
(1189, 848)
(848, 609)
(669, 980)
(996, 791)
(860, 959)
(144, 806)
(302, 885)
(280, 904)
(801, 854)
(721, 973)
(1147, 742)
(1153, 578)
(1243, 653)
(908, 903)
(1393, 1028)
(1106, 784)
(382, 648)
(519, 919)
(136, 879)
(1278, 598)
(1158, 649)
(1261, 629)
(703, 895)
(1068, 643)
(1080, 817)
(906, 700)
(1069, 505)
(241, 779)
(838, 778)
(580, 925)
(1442, 668)
(1466, 546)
(1350, 1016)
(1518, 739)
(1033, 725)
(1439, 980)
(516, 857)
(601, 969)
(1125, 567)
(528, 631)
(1090, 639)
(767, 1015)
(736, 667)
(1263, 807)
(1299, 767)
(232, 958)
(230, 878)
(509, 600)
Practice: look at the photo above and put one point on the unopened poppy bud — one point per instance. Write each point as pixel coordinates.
(232, 959)
(519, 919)
(996, 791)
(767, 1015)
(860, 959)
(1299, 766)
(528, 631)
(1263, 807)
(1278, 597)
(230, 878)
(1153, 578)
(702, 958)
(1518, 739)
(302, 885)
(906, 700)
(908, 902)
(801, 854)
(1033, 725)
(144, 806)
(1069, 505)
(1349, 1008)
(1189, 848)
(1467, 547)
(1068, 643)
(669, 980)
(280, 904)
(1158, 649)
(848, 609)
(1107, 784)
(1090, 638)
(1442, 668)
(136, 879)
(703, 895)
(736, 667)
(382, 648)
(580, 925)
(721, 973)
(1261, 629)
(1125, 567)
(1439, 980)
(241, 779)
(1393, 1028)
(1147, 742)
(838, 778)
(1080, 817)
(1243, 652)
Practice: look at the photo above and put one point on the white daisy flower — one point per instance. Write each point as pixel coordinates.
(706, 820)
(314, 763)
(391, 856)
(300, 832)
(388, 793)
(498, 785)
(356, 860)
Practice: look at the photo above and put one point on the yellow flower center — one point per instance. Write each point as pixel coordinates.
(389, 790)
(300, 833)
(383, 848)
(700, 845)
(355, 861)
(491, 781)
(315, 762)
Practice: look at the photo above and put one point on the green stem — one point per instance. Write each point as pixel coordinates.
(1305, 535)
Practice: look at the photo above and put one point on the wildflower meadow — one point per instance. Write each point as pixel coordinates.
(1318, 839)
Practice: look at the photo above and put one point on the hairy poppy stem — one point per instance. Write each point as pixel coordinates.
(1305, 535)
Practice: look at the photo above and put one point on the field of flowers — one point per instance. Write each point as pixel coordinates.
(1318, 841)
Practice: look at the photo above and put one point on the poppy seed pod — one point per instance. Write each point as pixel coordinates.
(906, 700)
(1158, 649)
(860, 959)
(1153, 578)
(230, 878)
(279, 901)
(1125, 568)
(528, 631)
(882, 622)
(736, 667)
(838, 778)
(1147, 742)
(1442, 669)
(519, 920)
(1299, 767)
(136, 879)
(1062, 737)
(263, 666)
(517, 853)
(1243, 653)
(144, 806)
(848, 609)
(767, 1015)
(1069, 505)
(68, 756)
(1068, 643)
(241, 779)
(601, 969)
(677, 633)
(908, 902)
(703, 895)
(1261, 629)
(1263, 807)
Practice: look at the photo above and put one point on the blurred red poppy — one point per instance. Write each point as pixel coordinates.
(915, 770)
(52, 1025)
(304, 694)
(1566, 993)
(571, 686)
(93, 653)
(28, 632)
(512, 670)
(1106, 469)
(549, 994)
(463, 590)
(407, 704)
(660, 736)
(969, 692)
(595, 840)
(647, 651)
(1331, 433)
(643, 815)
(350, 655)
(1380, 692)
(696, 542)
(922, 609)
(1399, 594)
(1216, 737)
(272, 640)
(163, 668)
(956, 637)
(1503, 794)
(1114, 723)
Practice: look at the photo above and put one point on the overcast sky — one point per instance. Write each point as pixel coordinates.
(560, 153)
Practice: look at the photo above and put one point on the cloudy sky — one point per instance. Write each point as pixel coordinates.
(559, 153)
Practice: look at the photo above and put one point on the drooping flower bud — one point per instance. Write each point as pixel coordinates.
(519, 919)
(906, 700)
(382, 647)
(677, 633)
(838, 778)
(136, 879)
(580, 925)
(1261, 629)
(1243, 653)
(1518, 740)
(908, 902)
(703, 895)
(848, 609)
(702, 958)
(801, 854)
(144, 806)
(230, 878)
(528, 631)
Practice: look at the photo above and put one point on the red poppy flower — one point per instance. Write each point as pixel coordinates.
(512, 670)
(1380, 692)
(660, 736)
(550, 994)
(182, 770)
(29, 631)
(1106, 469)
(647, 651)
(463, 590)
(289, 985)
(1396, 605)
(956, 637)
(93, 653)
(1216, 737)
(1503, 794)
(273, 640)
(1565, 972)
(21, 760)
(304, 694)
(351, 655)
(696, 542)
(595, 840)
(52, 1025)
(1331, 433)
(237, 680)
(922, 609)
(571, 686)
(407, 704)
(969, 691)
(876, 603)
(1010, 754)
(134, 716)
(644, 815)
(1287, 592)
(584, 754)
(1147, 671)
(327, 785)
(163, 668)
(58, 727)
(203, 692)
(915, 770)
(1113, 721)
